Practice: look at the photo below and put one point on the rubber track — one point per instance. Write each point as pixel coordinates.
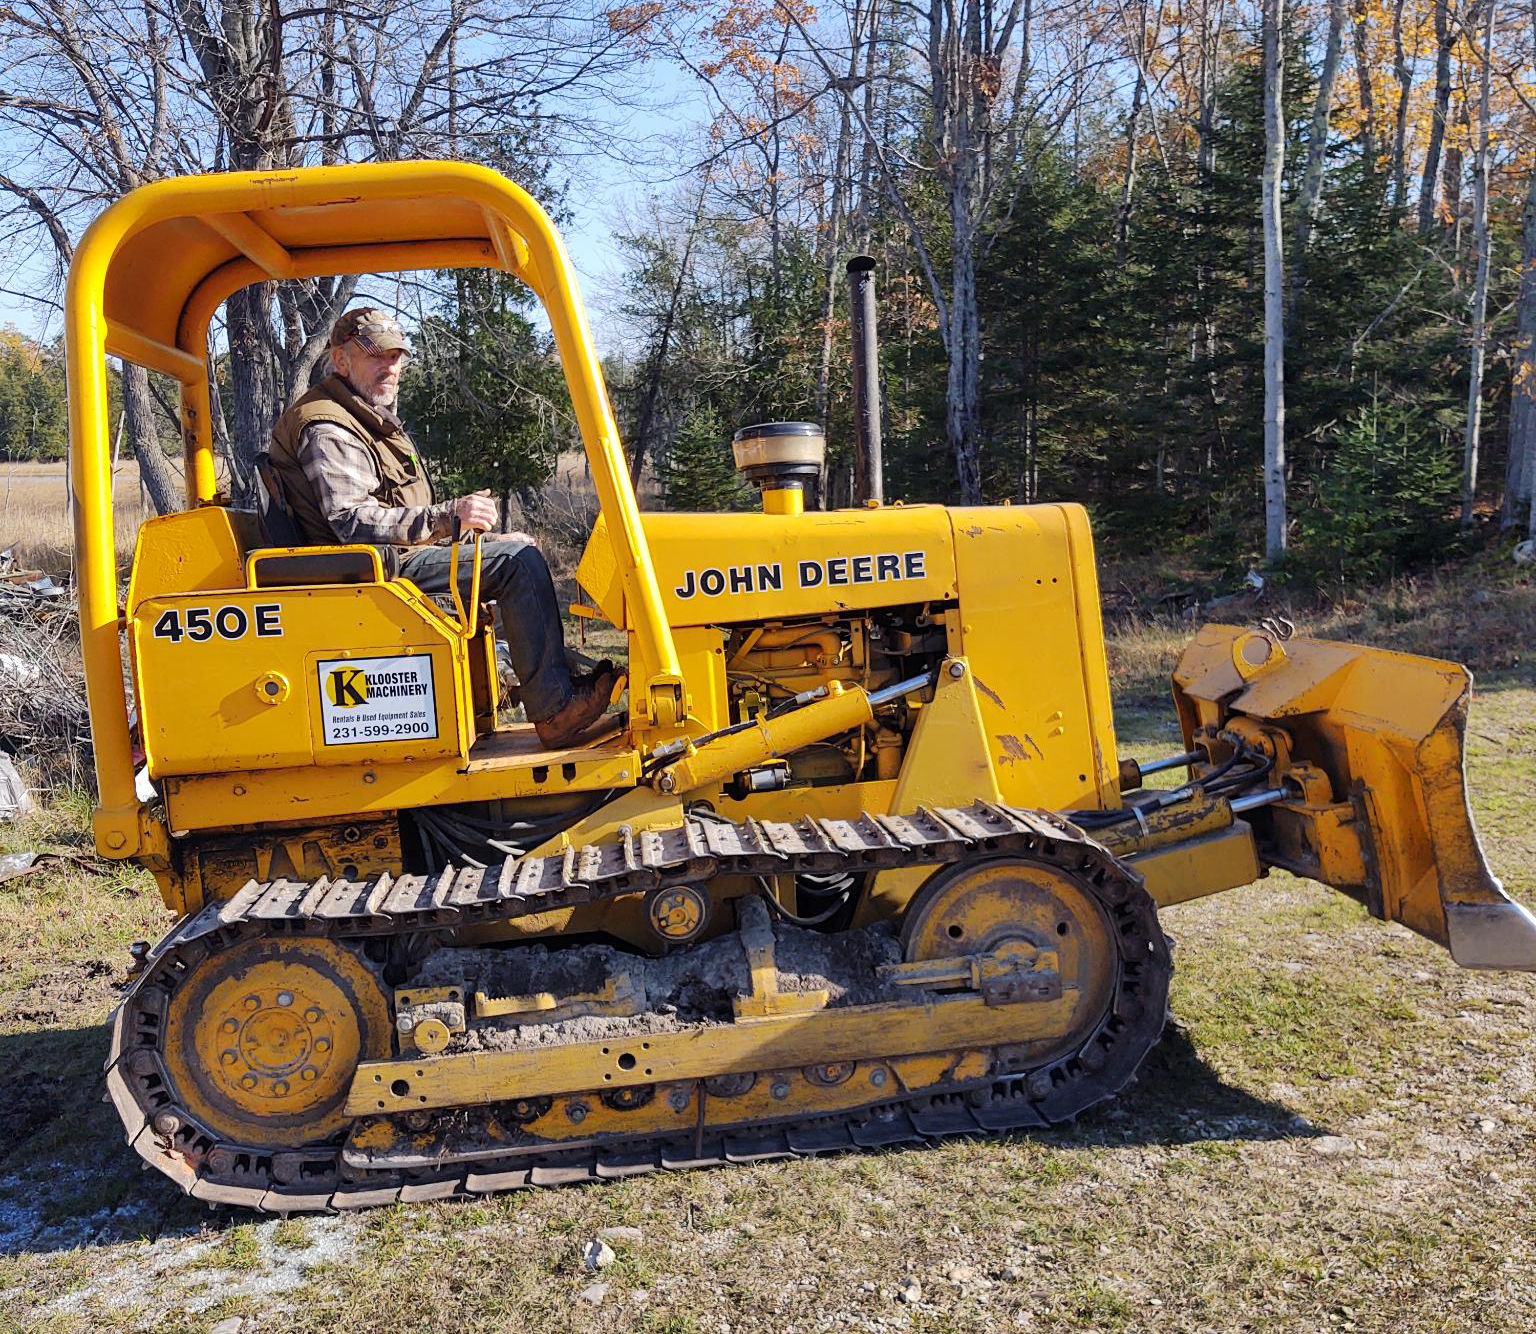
(169, 1138)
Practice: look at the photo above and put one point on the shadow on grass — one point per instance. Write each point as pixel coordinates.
(68, 1180)
(67, 1176)
(1178, 1098)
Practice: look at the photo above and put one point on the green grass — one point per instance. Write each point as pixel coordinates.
(1334, 1135)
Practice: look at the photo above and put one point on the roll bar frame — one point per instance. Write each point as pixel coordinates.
(518, 237)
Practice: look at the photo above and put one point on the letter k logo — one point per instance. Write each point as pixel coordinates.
(348, 687)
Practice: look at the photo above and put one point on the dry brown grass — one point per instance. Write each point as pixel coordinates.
(43, 716)
(34, 514)
(1482, 614)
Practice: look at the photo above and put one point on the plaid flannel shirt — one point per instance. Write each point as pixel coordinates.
(344, 477)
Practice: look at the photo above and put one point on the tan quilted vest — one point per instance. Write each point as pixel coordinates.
(403, 481)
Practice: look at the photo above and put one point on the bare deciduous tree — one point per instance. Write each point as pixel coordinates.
(1311, 199)
(1275, 518)
(1447, 30)
(982, 109)
(1480, 287)
(1363, 78)
(1404, 72)
(97, 99)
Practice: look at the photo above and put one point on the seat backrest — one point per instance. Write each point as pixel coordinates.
(278, 526)
(319, 565)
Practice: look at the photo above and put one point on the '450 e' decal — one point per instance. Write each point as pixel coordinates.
(199, 624)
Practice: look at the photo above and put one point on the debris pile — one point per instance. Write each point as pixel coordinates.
(44, 723)
(28, 585)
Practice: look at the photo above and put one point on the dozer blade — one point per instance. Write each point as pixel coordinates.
(1377, 802)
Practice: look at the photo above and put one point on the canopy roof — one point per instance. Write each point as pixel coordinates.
(167, 255)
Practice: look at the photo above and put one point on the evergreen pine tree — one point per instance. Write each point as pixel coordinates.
(1383, 493)
(699, 472)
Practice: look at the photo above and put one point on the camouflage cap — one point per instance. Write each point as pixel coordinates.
(375, 331)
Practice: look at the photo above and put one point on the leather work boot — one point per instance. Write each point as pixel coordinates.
(584, 670)
(586, 705)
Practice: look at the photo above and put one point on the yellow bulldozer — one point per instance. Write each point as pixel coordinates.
(858, 864)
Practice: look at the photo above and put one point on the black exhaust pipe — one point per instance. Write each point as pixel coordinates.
(869, 467)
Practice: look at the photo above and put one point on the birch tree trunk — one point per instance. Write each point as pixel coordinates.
(1480, 289)
(1132, 128)
(979, 112)
(1274, 286)
(1317, 149)
(1128, 181)
(840, 188)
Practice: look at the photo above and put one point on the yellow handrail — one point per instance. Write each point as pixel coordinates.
(468, 624)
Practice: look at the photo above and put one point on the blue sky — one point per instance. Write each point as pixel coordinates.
(606, 193)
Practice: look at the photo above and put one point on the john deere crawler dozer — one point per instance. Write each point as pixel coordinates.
(859, 864)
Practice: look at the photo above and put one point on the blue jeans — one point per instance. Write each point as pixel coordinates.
(516, 577)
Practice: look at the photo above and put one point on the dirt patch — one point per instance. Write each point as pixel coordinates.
(191, 1274)
(45, 1058)
(83, 986)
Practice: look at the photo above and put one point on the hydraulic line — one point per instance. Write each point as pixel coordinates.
(1172, 762)
(1218, 782)
(1237, 782)
(793, 919)
(1256, 799)
(448, 834)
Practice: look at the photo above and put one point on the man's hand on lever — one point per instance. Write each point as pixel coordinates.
(477, 513)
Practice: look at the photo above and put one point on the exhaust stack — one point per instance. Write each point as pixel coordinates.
(869, 468)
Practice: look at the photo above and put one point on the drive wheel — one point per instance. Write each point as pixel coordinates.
(1006, 906)
(263, 1038)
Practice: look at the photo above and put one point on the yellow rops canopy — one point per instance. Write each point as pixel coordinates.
(150, 273)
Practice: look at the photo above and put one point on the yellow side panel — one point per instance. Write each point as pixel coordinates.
(195, 551)
(234, 680)
(1032, 632)
(342, 791)
(946, 764)
(1206, 865)
(701, 652)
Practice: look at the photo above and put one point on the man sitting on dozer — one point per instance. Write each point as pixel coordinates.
(342, 465)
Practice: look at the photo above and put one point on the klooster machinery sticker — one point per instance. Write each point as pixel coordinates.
(377, 699)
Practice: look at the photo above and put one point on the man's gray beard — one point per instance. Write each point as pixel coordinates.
(375, 400)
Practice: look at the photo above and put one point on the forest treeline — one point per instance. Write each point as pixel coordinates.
(1073, 207)
(1107, 232)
